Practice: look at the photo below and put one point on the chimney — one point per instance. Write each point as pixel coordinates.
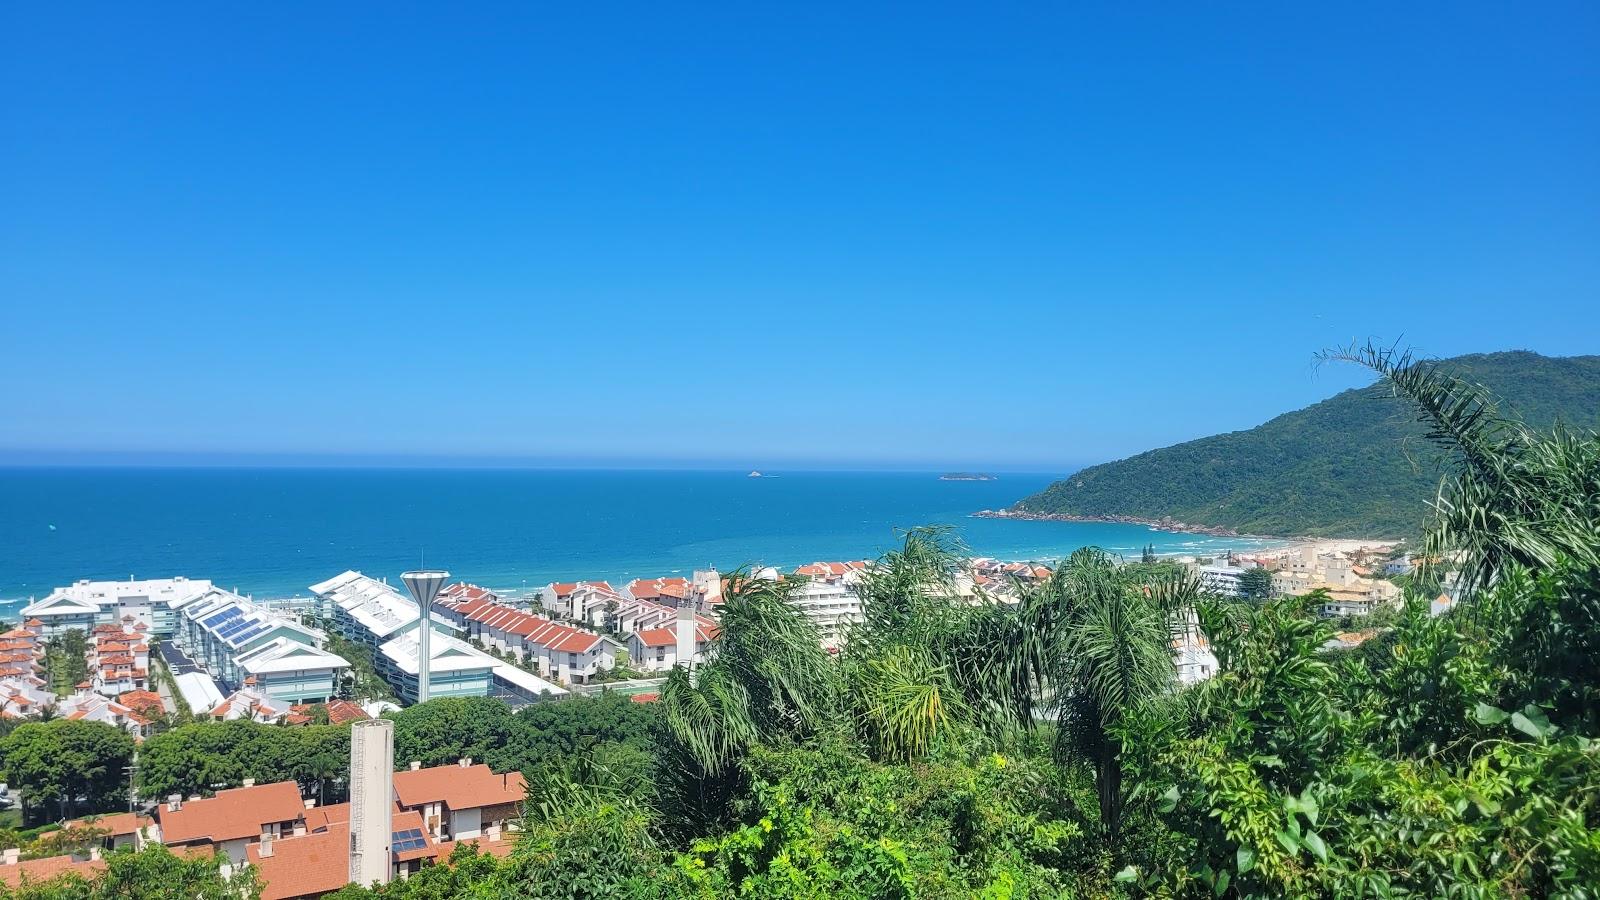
(464, 762)
(266, 845)
(685, 635)
(174, 802)
(371, 799)
(12, 854)
(94, 853)
(415, 765)
(249, 782)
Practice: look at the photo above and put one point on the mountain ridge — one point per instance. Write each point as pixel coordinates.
(1353, 465)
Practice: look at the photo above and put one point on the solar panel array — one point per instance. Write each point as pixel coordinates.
(409, 839)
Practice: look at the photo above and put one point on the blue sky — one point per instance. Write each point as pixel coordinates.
(839, 235)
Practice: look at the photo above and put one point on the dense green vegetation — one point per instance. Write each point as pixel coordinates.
(1047, 749)
(62, 765)
(1356, 464)
(66, 664)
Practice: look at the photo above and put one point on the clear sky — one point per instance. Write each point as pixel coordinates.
(847, 234)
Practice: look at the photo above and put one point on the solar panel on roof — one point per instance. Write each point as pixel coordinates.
(232, 627)
(246, 635)
(219, 617)
(409, 839)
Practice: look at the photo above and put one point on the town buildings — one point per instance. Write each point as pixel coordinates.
(84, 604)
(460, 802)
(240, 642)
(826, 594)
(553, 649)
(374, 615)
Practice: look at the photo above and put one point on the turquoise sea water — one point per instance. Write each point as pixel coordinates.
(272, 532)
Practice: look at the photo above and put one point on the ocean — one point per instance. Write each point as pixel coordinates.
(273, 532)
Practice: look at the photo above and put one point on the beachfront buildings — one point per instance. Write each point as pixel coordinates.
(240, 642)
(553, 649)
(119, 659)
(84, 604)
(373, 614)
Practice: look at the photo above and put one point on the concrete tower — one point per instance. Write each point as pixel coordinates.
(371, 800)
(424, 586)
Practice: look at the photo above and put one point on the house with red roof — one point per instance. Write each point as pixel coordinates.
(554, 649)
(659, 649)
(233, 819)
(462, 801)
(315, 859)
(87, 706)
(15, 871)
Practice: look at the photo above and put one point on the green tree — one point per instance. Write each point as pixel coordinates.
(58, 764)
(1255, 584)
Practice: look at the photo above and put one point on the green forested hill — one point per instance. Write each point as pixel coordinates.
(1354, 464)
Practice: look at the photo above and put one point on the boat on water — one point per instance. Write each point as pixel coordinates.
(755, 474)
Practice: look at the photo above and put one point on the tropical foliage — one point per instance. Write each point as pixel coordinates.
(1051, 747)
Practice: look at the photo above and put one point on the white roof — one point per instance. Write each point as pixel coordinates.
(284, 655)
(447, 654)
(198, 690)
(90, 596)
(525, 680)
(238, 622)
(376, 607)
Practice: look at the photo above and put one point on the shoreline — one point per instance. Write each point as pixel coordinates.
(1285, 543)
(1165, 523)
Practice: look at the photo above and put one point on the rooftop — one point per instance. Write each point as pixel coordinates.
(458, 787)
(237, 813)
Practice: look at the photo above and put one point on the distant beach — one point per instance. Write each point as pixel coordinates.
(273, 532)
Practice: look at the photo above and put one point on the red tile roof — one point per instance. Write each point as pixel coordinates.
(457, 787)
(36, 871)
(237, 813)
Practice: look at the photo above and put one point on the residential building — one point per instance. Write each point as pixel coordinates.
(659, 649)
(22, 651)
(85, 604)
(119, 658)
(235, 639)
(251, 704)
(87, 706)
(826, 594)
(314, 859)
(123, 831)
(1221, 578)
(552, 649)
(373, 614)
(462, 801)
(233, 819)
(14, 870)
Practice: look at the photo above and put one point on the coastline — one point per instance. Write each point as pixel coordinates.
(1165, 523)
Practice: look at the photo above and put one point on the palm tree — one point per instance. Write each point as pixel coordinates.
(1105, 645)
(1513, 498)
(764, 674)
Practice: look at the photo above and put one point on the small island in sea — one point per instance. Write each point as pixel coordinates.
(968, 476)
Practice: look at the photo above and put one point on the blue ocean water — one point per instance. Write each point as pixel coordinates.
(273, 532)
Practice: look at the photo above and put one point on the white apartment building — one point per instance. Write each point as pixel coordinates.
(238, 641)
(84, 604)
(826, 594)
